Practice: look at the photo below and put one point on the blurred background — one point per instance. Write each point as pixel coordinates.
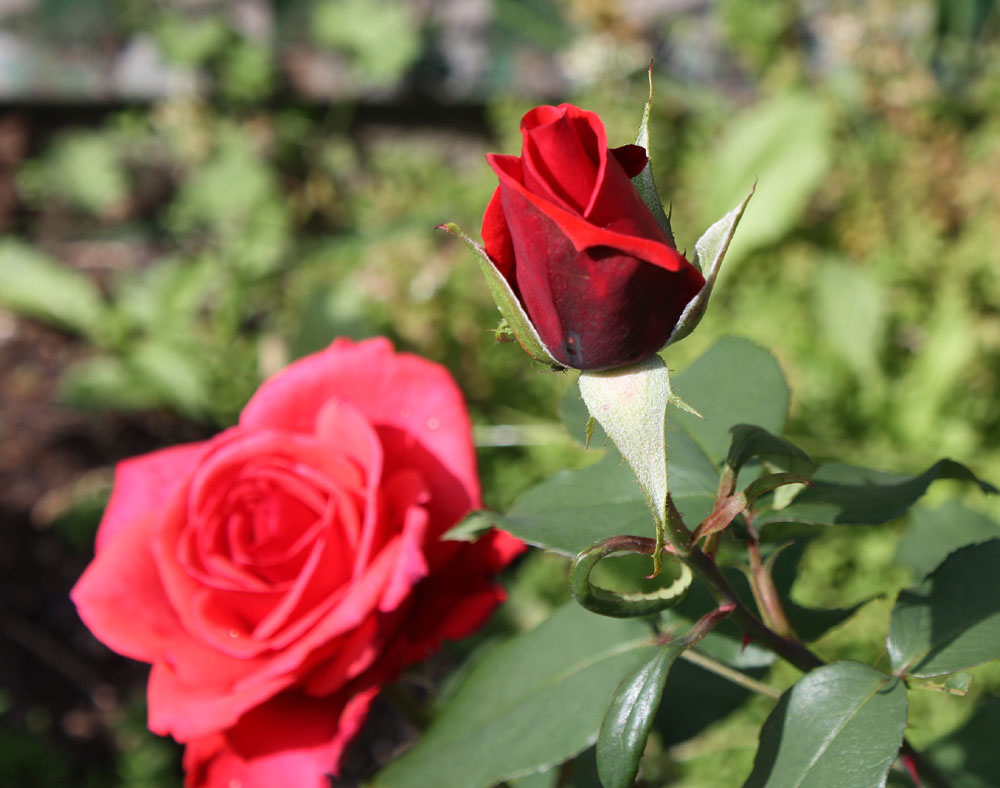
(195, 192)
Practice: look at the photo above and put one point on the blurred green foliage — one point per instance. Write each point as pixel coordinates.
(242, 227)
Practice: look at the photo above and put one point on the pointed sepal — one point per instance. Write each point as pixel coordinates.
(643, 182)
(517, 320)
(630, 403)
(709, 251)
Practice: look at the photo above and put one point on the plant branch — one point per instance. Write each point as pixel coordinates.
(731, 674)
(764, 592)
(790, 650)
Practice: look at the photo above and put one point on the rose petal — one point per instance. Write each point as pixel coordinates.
(143, 484)
(120, 598)
(631, 158)
(496, 239)
(581, 233)
(335, 668)
(292, 740)
(595, 307)
(185, 571)
(415, 405)
(563, 155)
(407, 492)
(190, 711)
(341, 424)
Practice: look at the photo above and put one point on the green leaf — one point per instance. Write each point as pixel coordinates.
(472, 526)
(784, 144)
(751, 441)
(573, 509)
(83, 169)
(696, 698)
(851, 310)
(547, 779)
(106, 382)
(934, 533)
(734, 382)
(581, 772)
(840, 725)
(631, 404)
(952, 620)
(629, 719)
(177, 375)
(625, 604)
(849, 495)
(35, 285)
(363, 29)
(535, 701)
(153, 374)
(576, 418)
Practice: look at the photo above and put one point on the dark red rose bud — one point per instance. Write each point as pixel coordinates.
(595, 272)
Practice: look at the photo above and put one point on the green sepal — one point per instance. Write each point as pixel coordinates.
(507, 302)
(630, 717)
(630, 403)
(709, 251)
(643, 182)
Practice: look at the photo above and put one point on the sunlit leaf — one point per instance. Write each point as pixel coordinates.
(784, 143)
(531, 703)
(849, 495)
(934, 533)
(952, 620)
(840, 725)
(629, 719)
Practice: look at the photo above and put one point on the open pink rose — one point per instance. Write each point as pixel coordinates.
(278, 574)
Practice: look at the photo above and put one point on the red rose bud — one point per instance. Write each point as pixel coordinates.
(596, 274)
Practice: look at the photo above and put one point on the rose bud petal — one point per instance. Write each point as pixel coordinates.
(598, 277)
(279, 574)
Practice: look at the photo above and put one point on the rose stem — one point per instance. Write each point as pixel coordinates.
(790, 650)
(762, 584)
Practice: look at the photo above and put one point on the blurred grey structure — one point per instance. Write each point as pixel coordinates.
(109, 51)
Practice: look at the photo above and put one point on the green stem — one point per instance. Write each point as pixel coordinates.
(700, 628)
(790, 650)
(680, 537)
(731, 674)
(765, 594)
